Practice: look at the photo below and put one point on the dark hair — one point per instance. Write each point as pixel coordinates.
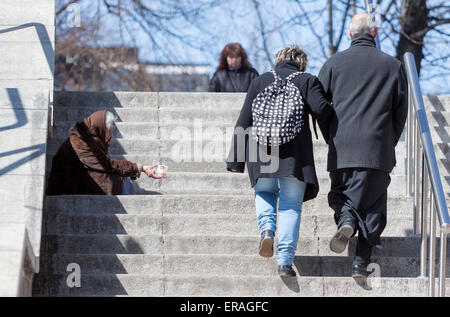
(235, 49)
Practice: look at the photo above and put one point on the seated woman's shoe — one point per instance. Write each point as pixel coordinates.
(286, 271)
(266, 244)
(359, 271)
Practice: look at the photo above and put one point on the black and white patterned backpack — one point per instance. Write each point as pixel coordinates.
(278, 112)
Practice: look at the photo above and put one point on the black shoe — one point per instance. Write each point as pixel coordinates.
(340, 239)
(359, 271)
(266, 244)
(286, 271)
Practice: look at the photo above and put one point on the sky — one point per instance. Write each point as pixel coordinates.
(200, 41)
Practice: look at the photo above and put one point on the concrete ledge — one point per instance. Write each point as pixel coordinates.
(16, 65)
(23, 152)
(23, 98)
(23, 118)
(33, 32)
(23, 11)
(39, 86)
(26, 192)
(26, 88)
(17, 261)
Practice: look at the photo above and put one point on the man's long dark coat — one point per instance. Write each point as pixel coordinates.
(368, 90)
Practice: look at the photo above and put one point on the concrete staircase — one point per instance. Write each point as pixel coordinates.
(195, 233)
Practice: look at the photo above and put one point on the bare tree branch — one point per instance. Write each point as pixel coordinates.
(263, 32)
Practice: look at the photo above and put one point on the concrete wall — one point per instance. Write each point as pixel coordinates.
(27, 41)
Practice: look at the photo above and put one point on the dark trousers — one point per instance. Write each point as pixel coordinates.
(359, 196)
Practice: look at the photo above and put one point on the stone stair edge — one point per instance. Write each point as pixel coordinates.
(214, 255)
(229, 276)
(243, 216)
(190, 236)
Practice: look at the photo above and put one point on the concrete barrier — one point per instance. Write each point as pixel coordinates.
(27, 45)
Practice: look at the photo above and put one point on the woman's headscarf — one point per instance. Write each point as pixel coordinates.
(96, 126)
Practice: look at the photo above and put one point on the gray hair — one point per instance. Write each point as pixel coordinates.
(294, 54)
(362, 23)
(110, 119)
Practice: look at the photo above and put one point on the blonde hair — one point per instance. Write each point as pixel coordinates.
(294, 54)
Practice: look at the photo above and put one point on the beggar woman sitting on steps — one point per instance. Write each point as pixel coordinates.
(82, 165)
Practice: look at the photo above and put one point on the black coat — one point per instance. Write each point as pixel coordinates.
(295, 157)
(368, 90)
(232, 80)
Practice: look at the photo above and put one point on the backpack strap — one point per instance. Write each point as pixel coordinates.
(275, 76)
(293, 75)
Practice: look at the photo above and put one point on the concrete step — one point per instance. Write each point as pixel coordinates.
(440, 134)
(65, 117)
(220, 224)
(437, 103)
(174, 114)
(211, 244)
(101, 100)
(438, 118)
(230, 286)
(226, 183)
(203, 101)
(188, 100)
(185, 157)
(137, 131)
(105, 100)
(187, 134)
(117, 146)
(70, 115)
(165, 115)
(174, 165)
(190, 129)
(224, 265)
(184, 205)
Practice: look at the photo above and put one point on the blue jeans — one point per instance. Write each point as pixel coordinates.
(128, 187)
(290, 192)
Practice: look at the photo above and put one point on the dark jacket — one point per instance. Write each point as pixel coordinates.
(295, 157)
(368, 90)
(82, 165)
(226, 80)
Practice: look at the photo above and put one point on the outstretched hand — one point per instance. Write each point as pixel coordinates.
(149, 170)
